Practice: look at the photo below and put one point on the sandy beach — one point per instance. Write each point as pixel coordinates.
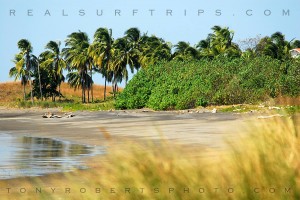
(189, 128)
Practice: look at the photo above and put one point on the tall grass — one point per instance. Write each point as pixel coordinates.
(11, 91)
(11, 94)
(262, 164)
(70, 93)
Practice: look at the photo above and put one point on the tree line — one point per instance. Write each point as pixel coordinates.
(113, 57)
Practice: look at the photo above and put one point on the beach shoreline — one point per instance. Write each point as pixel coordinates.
(100, 127)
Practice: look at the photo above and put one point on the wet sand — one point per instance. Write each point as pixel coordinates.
(204, 129)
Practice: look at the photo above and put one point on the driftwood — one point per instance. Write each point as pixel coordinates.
(68, 115)
(270, 116)
(51, 115)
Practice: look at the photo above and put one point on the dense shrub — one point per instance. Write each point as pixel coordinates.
(181, 85)
(137, 91)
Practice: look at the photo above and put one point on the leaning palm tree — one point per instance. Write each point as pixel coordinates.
(179, 50)
(101, 52)
(120, 60)
(183, 51)
(275, 46)
(77, 57)
(153, 50)
(133, 37)
(204, 47)
(29, 60)
(19, 72)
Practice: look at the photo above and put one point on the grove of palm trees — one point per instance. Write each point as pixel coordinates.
(214, 71)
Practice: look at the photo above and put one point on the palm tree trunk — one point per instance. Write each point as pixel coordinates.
(59, 90)
(82, 89)
(84, 99)
(88, 101)
(92, 92)
(31, 95)
(29, 76)
(83, 85)
(40, 82)
(114, 88)
(105, 89)
(106, 73)
(24, 90)
(82, 93)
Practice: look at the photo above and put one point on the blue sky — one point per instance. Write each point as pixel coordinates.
(41, 28)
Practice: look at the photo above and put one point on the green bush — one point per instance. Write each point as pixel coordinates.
(202, 102)
(137, 92)
(182, 85)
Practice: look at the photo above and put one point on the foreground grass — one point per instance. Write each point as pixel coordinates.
(263, 164)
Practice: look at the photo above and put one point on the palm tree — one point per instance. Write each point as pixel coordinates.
(275, 46)
(283, 47)
(56, 60)
(77, 58)
(153, 50)
(134, 38)
(48, 76)
(120, 59)
(220, 42)
(296, 44)
(29, 60)
(74, 79)
(101, 52)
(204, 47)
(183, 51)
(19, 72)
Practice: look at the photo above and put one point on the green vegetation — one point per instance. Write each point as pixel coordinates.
(291, 110)
(181, 85)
